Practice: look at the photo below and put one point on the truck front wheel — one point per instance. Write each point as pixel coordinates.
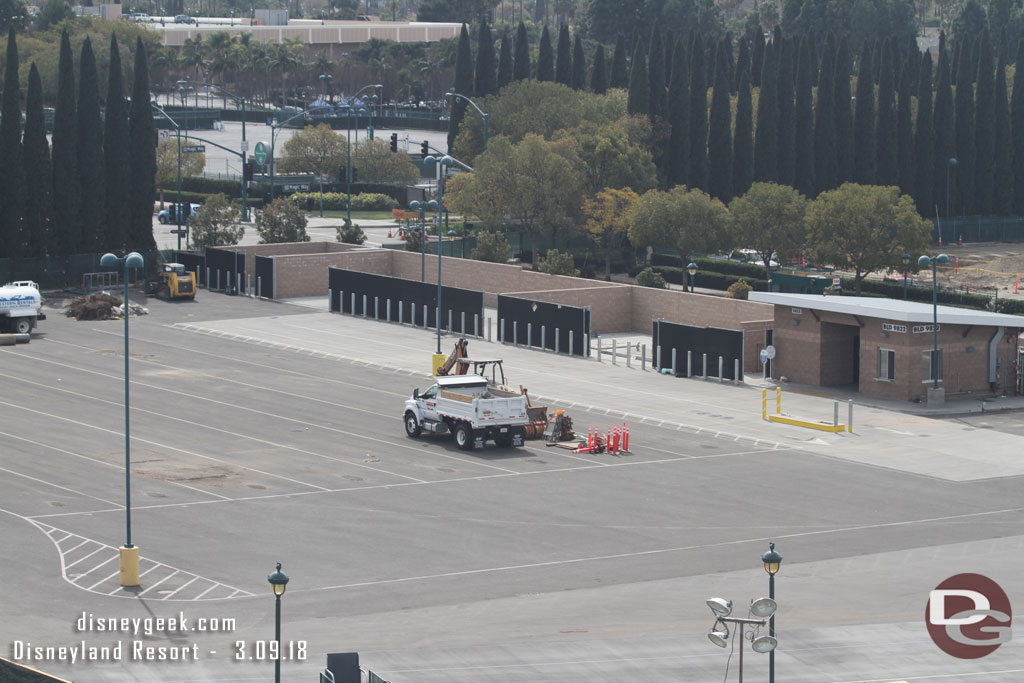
(464, 437)
(412, 427)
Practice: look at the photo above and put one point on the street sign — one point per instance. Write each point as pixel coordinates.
(767, 353)
(193, 149)
(245, 145)
(259, 153)
(837, 282)
(164, 135)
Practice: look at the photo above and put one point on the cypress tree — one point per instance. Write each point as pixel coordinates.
(619, 77)
(679, 117)
(639, 97)
(720, 130)
(563, 63)
(463, 85)
(579, 64)
(886, 168)
(905, 132)
(844, 115)
(12, 168)
(825, 124)
(39, 201)
(115, 157)
(67, 231)
(1017, 131)
(598, 77)
(545, 58)
(945, 138)
(743, 139)
(803, 115)
(962, 176)
(742, 64)
(90, 155)
(984, 130)
(924, 139)
(757, 60)
(766, 150)
(485, 83)
(942, 46)
(141, 142)
(505, 73)
(521, 63)
(1002, 200)
(864, 122)
(656, 77)
(786, 165)
(697, 173)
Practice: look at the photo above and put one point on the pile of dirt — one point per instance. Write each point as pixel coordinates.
(101, 306)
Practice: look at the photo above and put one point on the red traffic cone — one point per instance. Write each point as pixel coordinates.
(625, 438)
(389, 232)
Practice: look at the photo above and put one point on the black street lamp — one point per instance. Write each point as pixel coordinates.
(278, 581)
(692, 270)
(906, 264)
(933, 261)
(772, 562)
(443, 164)
(128, 554)
(422, 207)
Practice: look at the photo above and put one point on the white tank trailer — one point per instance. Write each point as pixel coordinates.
(21, 307)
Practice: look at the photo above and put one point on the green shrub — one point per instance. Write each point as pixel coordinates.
(739, 289)
(373, 201)
(1009, 306)
(350, 233)
(490, 246)
(558, 263)
(648, 277)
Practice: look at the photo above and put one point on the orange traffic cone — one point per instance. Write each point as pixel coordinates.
(389, 232)
(625, 438)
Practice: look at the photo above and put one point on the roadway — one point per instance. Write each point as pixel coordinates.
(266, 432)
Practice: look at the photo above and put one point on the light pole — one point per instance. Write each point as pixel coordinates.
(348, 151)
(278, 581)
(177, 132)
(422, 207)
(273, 132)
(933, 261)
(245, 147)
(128, 553)
(761, 608)
(906, 264)
(949, 164)
(453, 94)
(692, 270)
(325, 81)
(443, 164)
(772, 562)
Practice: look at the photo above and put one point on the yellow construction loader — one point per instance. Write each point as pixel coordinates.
(173, 282)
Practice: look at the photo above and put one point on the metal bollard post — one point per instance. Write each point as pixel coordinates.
(353, 309)
(835, 413)
(450, 320)
(529, 335)
(849, 422)
(615, 352)
(376, 308)
(570, 343)
(462, 324)
(643, 357)
(558, 348)
(586, 346)
(689, 363)
(778, 400)
(248, 284)
(412, 314)
(330, 300)
(674, 361)
(764, 404)
(400, 311)
(218, 280)
(737, 378)
(207, 277)
(364, 305)
(721, 363)
(543, 338)
(600, 351)
(488, 329)
(501, 330)
(238, 283)
(515, 333)
(658, 366)
(387, 309)
(426, 315)
(705, 356)
(629, 354)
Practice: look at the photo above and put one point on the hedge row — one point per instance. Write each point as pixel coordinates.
(747, 270)
(1010, 306)
(708, 279)
(233, 188)
(894, 290)
(336, 201)
(200, 198)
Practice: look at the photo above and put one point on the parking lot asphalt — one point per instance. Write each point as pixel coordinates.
(264, 432)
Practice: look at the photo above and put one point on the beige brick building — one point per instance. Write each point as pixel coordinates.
(884, 347)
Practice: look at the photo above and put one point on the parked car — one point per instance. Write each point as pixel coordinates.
(169, 215)
(184, 19)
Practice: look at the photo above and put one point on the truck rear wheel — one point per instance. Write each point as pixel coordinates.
(412, 427)
(464, 437)
(21, 325)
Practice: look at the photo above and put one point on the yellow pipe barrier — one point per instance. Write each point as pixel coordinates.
(835, 428)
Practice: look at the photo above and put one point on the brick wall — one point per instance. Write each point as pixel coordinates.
(610, 306)
(693, 309)
(301, 275)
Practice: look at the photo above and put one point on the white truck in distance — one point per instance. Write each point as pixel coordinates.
(20, 306)
(471, 409)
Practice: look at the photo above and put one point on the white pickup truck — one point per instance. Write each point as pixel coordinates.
(471, 409)
(20, 306)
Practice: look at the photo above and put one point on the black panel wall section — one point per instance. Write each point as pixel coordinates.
(225, 265)
(524, 318)
(193, 262)
(698, 340)
(351, 291)
(263, 277)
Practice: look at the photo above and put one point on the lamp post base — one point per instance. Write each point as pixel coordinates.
(936, 397)
(129, 566)
(436, 361)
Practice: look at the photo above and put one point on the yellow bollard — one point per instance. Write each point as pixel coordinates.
(436, 361)
(764, 404)
(778, 400)
(129, 566)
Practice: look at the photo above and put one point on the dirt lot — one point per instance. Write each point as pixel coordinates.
(985, 266)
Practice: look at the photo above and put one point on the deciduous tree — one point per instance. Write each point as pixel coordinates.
(282, 221)
(769, 219)
(217, 223)
(167, 166)
(607, 221)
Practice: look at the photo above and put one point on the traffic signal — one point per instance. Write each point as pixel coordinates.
(394, 142)
(250, 169)
(355, 174)
(425, 148)
(342, 173)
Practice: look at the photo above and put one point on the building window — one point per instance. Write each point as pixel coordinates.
(886, 364)
(926, 365)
